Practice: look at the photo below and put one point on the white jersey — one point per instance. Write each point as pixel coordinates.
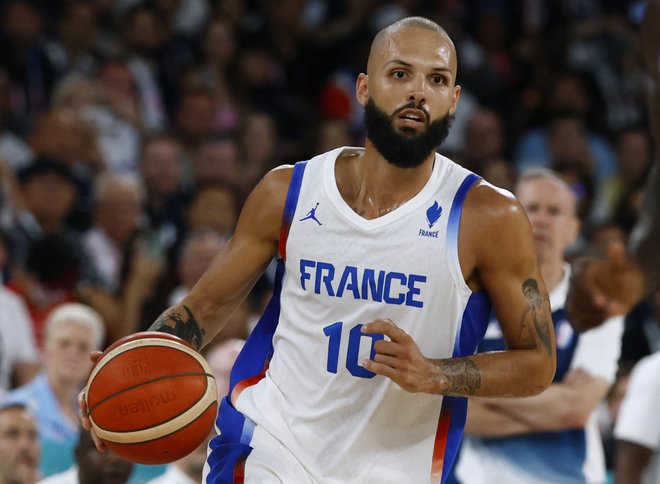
(340, 421)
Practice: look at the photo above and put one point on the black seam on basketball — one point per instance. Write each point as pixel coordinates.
(133, 387)
(162, 436)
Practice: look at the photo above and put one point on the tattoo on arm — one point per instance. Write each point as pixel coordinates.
(530, 289)
(183, 326)
(463, 376)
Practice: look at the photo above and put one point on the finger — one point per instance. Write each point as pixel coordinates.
(95, 356)
(386, 327)
(386, 360)
(380, 369)
(385, 347)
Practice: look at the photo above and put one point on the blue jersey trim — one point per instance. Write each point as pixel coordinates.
(294, 192)
(472, 328)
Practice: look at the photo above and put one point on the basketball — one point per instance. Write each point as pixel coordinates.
(151, 398)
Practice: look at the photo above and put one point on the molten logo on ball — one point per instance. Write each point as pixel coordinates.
(147, 404)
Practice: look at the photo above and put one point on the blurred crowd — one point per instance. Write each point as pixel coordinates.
(131, 132)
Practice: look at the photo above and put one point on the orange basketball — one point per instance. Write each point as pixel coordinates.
(151, 398)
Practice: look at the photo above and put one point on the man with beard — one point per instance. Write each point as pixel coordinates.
(388, 260)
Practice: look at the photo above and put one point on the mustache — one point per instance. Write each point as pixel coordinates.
(413, 105)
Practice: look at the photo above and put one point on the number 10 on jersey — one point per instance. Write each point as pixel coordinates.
(334, 333)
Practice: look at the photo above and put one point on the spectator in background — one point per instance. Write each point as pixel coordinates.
(48, 190)
(257, 158)
(47, 279)
(19, 445)
(331, 134)
(542, 439)
(485, 139)
(141, 39)
(75, 47)
(72, 332)
(218, 51)
(92, 466)
(31, 74)
(198, 250)
(116, 215)
(19, 357)
(637, 428)
(194, 120)
(214, 205)
(62, 133)
(162, 172)
(216, 159)
(187, 470)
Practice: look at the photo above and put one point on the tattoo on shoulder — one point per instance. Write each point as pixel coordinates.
(184, 326)
(463, 376)
(530, 289)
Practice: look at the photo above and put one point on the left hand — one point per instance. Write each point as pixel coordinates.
(400, 359)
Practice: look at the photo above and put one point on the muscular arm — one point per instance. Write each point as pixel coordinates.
(234, 271)
(497, 254)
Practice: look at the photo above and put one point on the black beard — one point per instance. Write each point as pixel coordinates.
(404, 150)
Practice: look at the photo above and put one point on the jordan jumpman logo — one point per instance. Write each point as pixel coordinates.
(312, 214)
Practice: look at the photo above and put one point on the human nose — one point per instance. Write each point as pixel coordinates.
(416, 90)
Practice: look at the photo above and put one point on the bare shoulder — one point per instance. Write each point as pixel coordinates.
(489, 209)
(264, 207)
(494, 230)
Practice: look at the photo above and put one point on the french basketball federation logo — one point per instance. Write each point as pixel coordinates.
(433, 214)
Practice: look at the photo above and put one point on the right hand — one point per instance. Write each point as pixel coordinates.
(95, 356)
(603, 288)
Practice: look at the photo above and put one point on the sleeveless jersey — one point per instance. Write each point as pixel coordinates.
(300, 376)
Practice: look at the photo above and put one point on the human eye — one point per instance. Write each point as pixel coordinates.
(399, 74)
(438, 79)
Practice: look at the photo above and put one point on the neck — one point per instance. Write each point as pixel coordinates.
(65, 392)
(373, 187)
(552, 272)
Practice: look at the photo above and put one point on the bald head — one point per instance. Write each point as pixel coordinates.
(383, 39)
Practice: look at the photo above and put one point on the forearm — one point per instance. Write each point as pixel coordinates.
(559, 407)
(484, 420)
(511, 373)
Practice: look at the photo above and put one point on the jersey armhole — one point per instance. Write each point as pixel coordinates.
(290, 206)
(452, 233)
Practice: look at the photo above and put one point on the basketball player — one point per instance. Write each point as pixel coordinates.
(358, 369)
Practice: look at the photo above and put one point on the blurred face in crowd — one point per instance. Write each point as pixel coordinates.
(95, 467)
(142, 33)
(484, 137)
(198, 253)
(195, 117)
(550, 207)
(215, 207)
(117, 209)
(19, 446)
(216, 160)
(78, 28)
(49, 197)
(161, 166)
(67, 353)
